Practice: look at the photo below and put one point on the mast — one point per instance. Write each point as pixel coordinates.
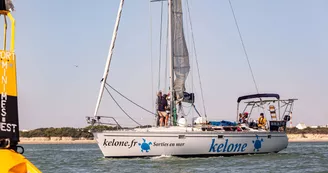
(172, 105)
(109, 58)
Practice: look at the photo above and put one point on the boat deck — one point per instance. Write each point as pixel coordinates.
(197, 129)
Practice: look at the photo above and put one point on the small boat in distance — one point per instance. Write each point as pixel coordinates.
(202, 137)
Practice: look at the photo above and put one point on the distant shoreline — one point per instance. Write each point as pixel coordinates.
(70, 140)
(59, 142)
(307, 140)
(55, 140)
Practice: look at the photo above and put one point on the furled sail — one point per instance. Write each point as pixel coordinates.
(179, 50)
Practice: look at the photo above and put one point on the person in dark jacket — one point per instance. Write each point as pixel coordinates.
(159, 95)
(161, 109)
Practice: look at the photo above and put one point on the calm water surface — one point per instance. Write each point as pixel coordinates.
(83, 158)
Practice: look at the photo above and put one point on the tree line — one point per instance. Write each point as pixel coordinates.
(65, 132)
(85, 132)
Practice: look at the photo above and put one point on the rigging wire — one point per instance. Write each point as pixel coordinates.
(121, 107)
(189, 111)
(160, 48)
(151, 57)
(130, 100)
(242, 43)
(166, 51)
(189, 47)
(191, 56)
(194, 46)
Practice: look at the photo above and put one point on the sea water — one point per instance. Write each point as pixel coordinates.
(84, 158)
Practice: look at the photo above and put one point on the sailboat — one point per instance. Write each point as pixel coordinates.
(202, 137)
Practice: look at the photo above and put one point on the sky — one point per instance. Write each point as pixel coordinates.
(286, 42)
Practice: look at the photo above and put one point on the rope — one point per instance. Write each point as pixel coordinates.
(160, 48)
(197, 111)
(121, 107)
(130, 100)
(194, 46)
(242, 42)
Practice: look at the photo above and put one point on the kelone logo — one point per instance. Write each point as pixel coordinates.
(227, 147)
(257, 143)
(117, 143)
(145, 146)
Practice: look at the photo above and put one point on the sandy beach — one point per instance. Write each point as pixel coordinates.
(70, 140)
(55, 140)
(308, 137)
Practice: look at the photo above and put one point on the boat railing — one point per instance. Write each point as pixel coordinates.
(97, 120)
(279, 110)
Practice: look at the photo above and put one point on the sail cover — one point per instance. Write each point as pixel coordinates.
(179, 49)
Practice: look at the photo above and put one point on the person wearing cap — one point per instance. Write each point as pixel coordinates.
(262, 121)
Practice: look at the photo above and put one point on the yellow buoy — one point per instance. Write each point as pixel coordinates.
(13, 162)
(10, 160)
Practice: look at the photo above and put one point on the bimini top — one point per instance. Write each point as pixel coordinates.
(258, 96)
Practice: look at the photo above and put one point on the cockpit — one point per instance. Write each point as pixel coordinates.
(264, 111)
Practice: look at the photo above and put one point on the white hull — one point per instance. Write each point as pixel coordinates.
(181, 141)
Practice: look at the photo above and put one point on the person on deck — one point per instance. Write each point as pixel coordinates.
(162, 104)
(168, 99)
(245, 117)
(166, 117)
(159, 95)
(240, 118)
(262, 121)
